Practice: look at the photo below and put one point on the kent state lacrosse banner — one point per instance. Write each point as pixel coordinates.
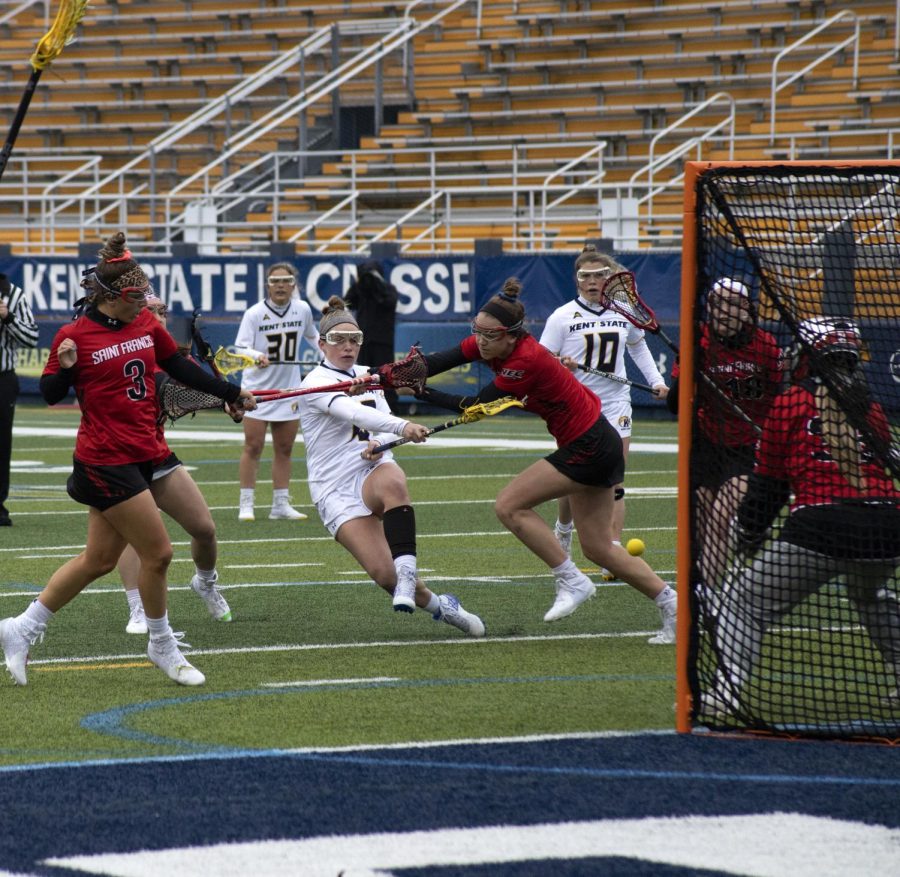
(438, 296)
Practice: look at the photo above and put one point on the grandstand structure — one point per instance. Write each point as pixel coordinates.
(234, 125)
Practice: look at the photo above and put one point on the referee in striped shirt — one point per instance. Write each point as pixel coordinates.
(17, 329)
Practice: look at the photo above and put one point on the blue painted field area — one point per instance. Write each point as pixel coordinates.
(642, 804)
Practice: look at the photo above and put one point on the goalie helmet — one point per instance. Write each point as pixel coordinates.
(827, 339)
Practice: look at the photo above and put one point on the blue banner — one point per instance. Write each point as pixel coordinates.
(437, 288)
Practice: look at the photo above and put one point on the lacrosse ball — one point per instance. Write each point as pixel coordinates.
(635, 547)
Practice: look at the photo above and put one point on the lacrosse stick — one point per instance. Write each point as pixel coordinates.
(175, 400)
(470, 415)
(62, 33)
(411, 371)
(614, 377)
(620, 294)
(230, 360)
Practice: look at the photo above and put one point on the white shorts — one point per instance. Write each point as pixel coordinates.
(619, 415)
(271, 412)
(344, 502)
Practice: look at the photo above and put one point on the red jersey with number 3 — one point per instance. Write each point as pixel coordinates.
(792, 449)
(554, 393)
(114, 383)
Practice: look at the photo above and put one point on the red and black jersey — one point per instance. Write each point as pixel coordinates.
(792, 449)
(749, 374)
(553, 392)
(114, 382)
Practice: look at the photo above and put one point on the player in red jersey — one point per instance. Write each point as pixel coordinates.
(744, 364)
(585, 467)
(844, 512)
(176, 494)
(109, 355)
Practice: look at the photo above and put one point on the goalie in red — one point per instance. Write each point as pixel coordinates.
(843, 521)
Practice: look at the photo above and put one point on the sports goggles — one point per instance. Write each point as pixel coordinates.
(489, 333)
(587, 273)
(136, 294)
(341, 337)
(280, 278)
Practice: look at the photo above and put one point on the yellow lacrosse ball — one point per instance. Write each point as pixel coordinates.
(635, 547)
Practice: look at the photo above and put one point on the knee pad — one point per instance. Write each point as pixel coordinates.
(619, 493)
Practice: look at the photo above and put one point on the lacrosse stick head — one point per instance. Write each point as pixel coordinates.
(619, 294)
(411, 371)
(488, 409)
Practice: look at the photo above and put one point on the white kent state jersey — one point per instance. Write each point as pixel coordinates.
(337, 427)
(598, 339)
(277, 333)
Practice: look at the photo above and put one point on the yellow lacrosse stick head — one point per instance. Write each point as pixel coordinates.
(489, 409)
(62, 33)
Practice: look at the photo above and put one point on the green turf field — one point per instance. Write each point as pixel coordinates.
(315, 656)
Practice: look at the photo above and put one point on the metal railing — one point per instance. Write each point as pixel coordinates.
(853, 39)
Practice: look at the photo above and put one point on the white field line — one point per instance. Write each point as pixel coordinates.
(327, 647)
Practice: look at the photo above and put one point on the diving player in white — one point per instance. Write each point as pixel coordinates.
(583, 332)
(363, 499)
(274, 327)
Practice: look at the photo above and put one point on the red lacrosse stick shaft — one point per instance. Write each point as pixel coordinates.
(274, 395)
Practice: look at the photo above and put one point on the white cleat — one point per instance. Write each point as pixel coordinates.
(666, 636)
(286, 512)
(245, 512)
(167, 656)
(404, 599)
(570, 594)
(15, 648)
(452, 613)
(137, 621)
(212, 597)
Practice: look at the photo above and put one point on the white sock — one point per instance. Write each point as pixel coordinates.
(665, 596)
(565, 569)
(280, 496)
(158, 628)
(248, 495)
(433, 604)
(564, 528)
(405, 563)
(133, 595)
(206, 576)
(32, 620)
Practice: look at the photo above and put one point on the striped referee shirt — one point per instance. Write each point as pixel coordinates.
(18, 328)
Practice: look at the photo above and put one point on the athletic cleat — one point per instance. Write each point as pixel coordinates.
(606, 575)
(167, 656)
(245, 512)
(669, 616)
(570, 594)
(284, 511)
(137, 621)
(15, 648)
(215, 602)
(451, 611)
(564, 537)
(718, 705)
(405, 593)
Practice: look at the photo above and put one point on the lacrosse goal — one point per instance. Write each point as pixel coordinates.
(788, 533)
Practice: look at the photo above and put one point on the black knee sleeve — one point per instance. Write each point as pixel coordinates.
(619, 493)
(400, 530)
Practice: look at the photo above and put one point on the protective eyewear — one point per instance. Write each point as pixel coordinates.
(280, 278)
(136, 294)
(489, 333)
(342, 337)
(583, 274)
